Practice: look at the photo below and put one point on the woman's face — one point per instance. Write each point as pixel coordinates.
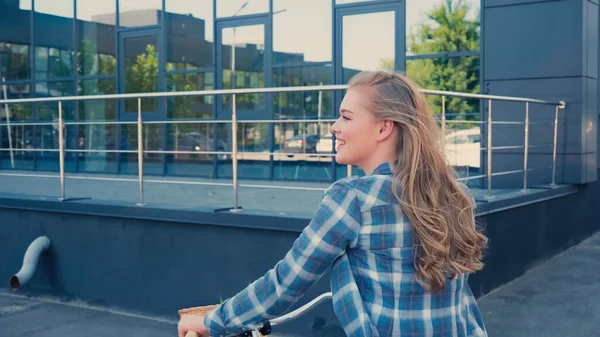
(356, 129)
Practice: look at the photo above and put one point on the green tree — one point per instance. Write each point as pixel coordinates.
(447, 30)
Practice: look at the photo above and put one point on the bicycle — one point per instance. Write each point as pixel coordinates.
(267, 326)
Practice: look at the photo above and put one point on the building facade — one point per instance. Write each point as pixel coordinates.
(85, 47)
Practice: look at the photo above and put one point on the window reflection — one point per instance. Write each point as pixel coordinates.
(54, 39)
(15, 60)
(298, 146)
(96, 34)
(227, 8)
(449, 74)
(141, 71)
(358, 32)
(243, 51)
(152, 136)
(293, 40)
(189, 27)
(194, 139)
(138, 13)
(190, 106)
(49, 110)
(342, 2)
(432, 26)
(21, 136)
(253, 140)
(97, 109)
(15, 40)
(310, 104)
(91, 141)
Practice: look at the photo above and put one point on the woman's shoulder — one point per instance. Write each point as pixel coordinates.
(369, 190)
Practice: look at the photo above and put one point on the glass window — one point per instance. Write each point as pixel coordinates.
(229, 8)
(54, 39)
(15, 40)
(310, 104)
(253, 144)
(312, 43)
(190, 106)
(342, 2)
(97, 109)
(18, 111)
(357, 36)
(88, 147)
(243, 64)
(194, 140)
(15, 60)
(49, 110)
(21, 136)
(189, 34)
(141, 71)
(136, 13)
(297, 148)
(449, 74)
(437, 26)
(96, 34)
(152, 136)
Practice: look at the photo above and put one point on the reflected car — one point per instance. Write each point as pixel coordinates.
(463, 148)
(301, 144)
(195, 141)
(325, 144)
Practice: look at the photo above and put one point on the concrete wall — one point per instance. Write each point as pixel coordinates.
(154, 261)
(546, 50)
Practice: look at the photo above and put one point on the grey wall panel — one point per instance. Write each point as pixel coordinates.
(538, 40)
(570, 121)
(591, 115)
(500, 3)
(591, 39)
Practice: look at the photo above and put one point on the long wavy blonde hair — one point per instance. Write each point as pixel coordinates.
(440, 209)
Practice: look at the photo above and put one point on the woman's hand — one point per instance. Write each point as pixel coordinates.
(192, 323)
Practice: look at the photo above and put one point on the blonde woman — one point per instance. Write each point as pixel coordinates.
(400, 241)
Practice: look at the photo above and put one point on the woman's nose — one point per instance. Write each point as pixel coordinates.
(334, 128)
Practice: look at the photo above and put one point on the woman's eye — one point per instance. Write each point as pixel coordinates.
(345, 118)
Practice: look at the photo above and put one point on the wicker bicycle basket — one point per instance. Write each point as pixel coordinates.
(203, 310)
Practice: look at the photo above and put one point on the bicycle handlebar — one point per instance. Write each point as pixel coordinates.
(266, 328)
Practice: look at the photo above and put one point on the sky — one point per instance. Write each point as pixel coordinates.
(300, 26)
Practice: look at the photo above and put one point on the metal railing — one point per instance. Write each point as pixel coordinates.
(234, 124)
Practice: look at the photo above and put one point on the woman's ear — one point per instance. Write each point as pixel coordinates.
(386, 128)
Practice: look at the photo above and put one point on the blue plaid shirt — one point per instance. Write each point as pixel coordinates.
(360, 233)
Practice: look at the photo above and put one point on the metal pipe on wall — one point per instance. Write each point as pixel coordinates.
(30, 261)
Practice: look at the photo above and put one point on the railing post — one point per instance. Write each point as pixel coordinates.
(443, 120)
(526, 149)
(8, 128)
(234, 152)
(554, 147)
(61, 151)
(489, 149)
(140, 153)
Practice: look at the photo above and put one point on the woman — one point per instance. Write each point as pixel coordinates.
(400, 241)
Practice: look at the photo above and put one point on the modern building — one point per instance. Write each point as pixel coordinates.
(84, 47)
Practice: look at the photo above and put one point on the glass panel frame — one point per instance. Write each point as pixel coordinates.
(154, 114)
(265, 111)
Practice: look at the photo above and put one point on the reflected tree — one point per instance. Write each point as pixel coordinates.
(448, 29)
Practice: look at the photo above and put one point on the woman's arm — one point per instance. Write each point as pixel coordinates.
(334, 227)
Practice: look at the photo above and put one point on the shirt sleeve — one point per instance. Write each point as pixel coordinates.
(333, 229)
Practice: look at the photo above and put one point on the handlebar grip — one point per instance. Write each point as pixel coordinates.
(264, 331)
